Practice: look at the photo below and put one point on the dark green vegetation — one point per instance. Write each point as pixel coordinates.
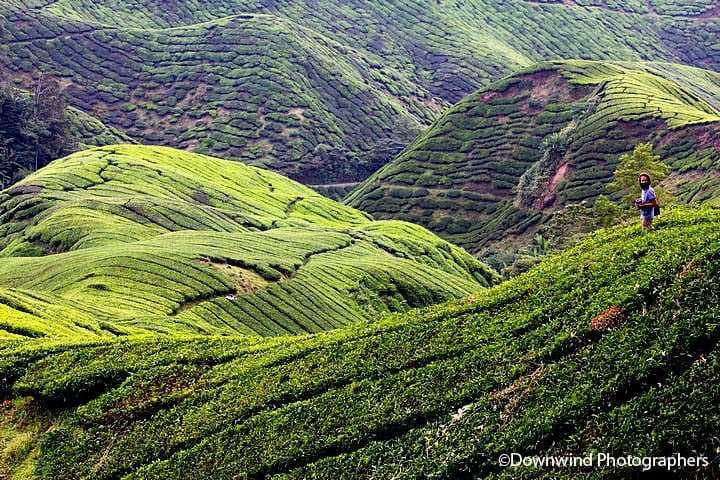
(503, 160)
(167, 315)
(37, 127)
(324, 91)
(611, 346)
(87, 131)
(126, 240)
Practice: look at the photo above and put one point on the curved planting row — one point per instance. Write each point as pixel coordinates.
(288, 280)
(611, 346)
(502, 160)
(125, 240)
(325, 91)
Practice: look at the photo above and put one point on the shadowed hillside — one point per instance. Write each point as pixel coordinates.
(91, 132)
(324, 91)
(501, 161)
(611, 346)
(125, 240)
(38, 126)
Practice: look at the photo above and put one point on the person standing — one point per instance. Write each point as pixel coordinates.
(647, 203)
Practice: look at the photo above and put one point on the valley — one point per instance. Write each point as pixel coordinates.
(347, 240)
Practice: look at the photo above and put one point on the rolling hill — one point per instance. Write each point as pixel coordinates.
(323, 91)
(127, 240)
(504, 159)
(207, 312)
(611, 346)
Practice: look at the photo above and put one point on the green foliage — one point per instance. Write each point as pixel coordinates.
(556, 143)
(540, 245)
(432, 393)
(521, 262)
(573, 222)
(548, 137)
(608, 212)
(129, 240)
(641, 160)
(534, 181)
(325, 90)
(577, 220)
(526, 257)
(37, 126)
(90, 132)
(34, 129)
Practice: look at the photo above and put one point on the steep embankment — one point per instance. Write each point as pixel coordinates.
(505, 158)
(324, 91)
(611, 346)
(126, 240)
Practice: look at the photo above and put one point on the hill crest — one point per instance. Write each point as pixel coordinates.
(130, 240)
(325, 92)
(500, 162)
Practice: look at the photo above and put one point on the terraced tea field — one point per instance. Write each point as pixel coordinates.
(501, 161)
(208, 311)
(127, 240)
(323, 91)
(611, 346)
(91, 132)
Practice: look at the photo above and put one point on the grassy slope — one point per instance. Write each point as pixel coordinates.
(435, 393)
(323, 91)
(482, 174)
(127, 240)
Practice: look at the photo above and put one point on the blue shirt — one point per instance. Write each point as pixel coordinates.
(647, 196)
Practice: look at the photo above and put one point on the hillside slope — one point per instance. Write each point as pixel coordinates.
(91, 132)
(127, 240)
(505, 158)
(323, 91)
(29, 140)
(611, 346)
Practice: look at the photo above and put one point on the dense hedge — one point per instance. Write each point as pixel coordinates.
(324, 91)
(611, 346)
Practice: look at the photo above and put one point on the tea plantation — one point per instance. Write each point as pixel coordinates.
(323, 91)
(501, 161)
(91, 132)
(611, 346)
(127, 240)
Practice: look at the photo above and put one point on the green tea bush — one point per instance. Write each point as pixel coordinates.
(435, 393)
(156, 240)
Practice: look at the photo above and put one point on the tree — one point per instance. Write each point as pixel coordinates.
(575, 220)
(7, 164)
(49, 123)
(34, 129)
(569, 224)
(641, 160)
(607, 212)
